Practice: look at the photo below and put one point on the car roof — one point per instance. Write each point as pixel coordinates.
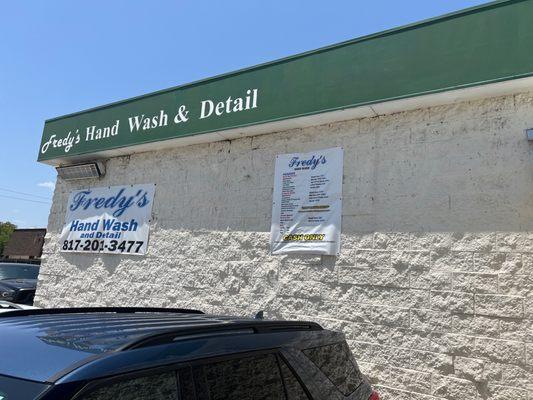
(11, 264)
(45, 344)
(9, 306)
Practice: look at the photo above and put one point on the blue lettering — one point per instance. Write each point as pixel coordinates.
(117, 226)
(80, 226)
(133, 226)
(79, 199)
(294, 162)
(119, 203)
(143, 201)
(99, 203)
(107, 224)
(312, 162)
(111, 201)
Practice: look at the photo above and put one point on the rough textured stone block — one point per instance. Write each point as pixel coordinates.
(430, 279)
(475, 325)
(476, 283)
(469, 368)
(454, 302)
(417, 260)
(455, 388)
(451, 343)
(429, 320)
(498, 392)
(410, 380)
(499, 306)
(429, 361)
(453, 261)
(436, 242)
(505, 351)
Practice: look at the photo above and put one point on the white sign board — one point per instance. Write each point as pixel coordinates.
(113, 220)
(307, 206)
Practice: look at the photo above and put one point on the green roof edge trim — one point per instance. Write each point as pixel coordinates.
(286, 87)
(322, 111)
(428, 21)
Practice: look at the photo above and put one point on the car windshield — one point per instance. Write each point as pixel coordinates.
(11, 389)
(18, 271)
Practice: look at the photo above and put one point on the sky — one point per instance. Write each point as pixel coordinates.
(62, 56)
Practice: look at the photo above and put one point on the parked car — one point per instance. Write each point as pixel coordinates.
(8, 306)
(18, 283)
(160, 354)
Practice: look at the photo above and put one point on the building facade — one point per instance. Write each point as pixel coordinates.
(25, 245)
(433, 287)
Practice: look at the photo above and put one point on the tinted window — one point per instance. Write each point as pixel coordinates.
(22, 271)
(335, 361)
(18, 389)
(256, 377)
(292, 385)
(155, 387)
(186, 384)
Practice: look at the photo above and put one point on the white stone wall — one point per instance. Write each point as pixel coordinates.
(434, 287)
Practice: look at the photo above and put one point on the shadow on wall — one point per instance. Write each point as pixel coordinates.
(466, 167)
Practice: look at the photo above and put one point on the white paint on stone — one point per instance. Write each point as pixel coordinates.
(434, 286)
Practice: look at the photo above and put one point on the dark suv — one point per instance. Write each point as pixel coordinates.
(18, 283)
(160, 354)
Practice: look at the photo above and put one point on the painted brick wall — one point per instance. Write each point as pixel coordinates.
(434, 287)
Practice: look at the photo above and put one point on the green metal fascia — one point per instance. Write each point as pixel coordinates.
(484, 44)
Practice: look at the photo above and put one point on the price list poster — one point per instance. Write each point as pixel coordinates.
(307, 203)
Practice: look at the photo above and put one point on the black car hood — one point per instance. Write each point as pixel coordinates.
(16, 284)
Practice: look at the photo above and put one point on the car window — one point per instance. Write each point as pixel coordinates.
(255, 377)
(294, 389)
(14, 271)
(186, 384)
(154, 387)
(17, 389)
(335, 361)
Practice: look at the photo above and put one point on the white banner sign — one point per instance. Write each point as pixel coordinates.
(112, 220)
(307, 207)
